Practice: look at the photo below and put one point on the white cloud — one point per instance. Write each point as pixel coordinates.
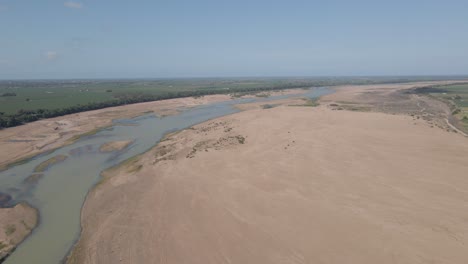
(51, 55)
(74, 5)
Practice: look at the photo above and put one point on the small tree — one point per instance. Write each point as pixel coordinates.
(12, 122)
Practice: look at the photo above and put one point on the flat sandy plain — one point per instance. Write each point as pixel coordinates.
(372, 175)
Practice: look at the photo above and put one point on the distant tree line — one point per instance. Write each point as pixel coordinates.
(8, 94)
(26, 116)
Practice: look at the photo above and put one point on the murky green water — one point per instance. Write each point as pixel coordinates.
(59, 194)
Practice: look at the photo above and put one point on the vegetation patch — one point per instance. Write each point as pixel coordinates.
(8, 94)
(115, 146)
(268, 106)
(424, 90)
(309, 102)
(135, 168)
(358, 108)
(87, 134)
(10, 229)
(49, 163)
(262, 95)
(131, 165)
(240, 139)
(456, 97)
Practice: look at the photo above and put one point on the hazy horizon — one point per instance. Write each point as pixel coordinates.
(415, 77)
(225, 39)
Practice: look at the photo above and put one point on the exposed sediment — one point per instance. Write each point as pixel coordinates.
(43, 166)
(16, 224)
(115, 146)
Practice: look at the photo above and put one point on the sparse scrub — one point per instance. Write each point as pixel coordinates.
(50, 162)
(268, 106)
(130, 164)
(311, 103)
(308, 102)
(10, 229)
(240, 139)
(262, 95)
(455, 96)
(87, 134)
(2, 245)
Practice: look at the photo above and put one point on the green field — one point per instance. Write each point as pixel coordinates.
(30, 100)
(32, 95)
(457, 97)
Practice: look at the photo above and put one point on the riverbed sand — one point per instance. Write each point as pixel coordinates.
(286, 184)
(37, 137)
(16, 223)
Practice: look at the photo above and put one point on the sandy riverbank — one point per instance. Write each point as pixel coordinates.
(16, 224)
(37, 137)
(289, 184)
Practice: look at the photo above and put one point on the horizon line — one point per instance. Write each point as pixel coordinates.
(462, 76)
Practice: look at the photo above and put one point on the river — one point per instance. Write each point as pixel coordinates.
(59, 194)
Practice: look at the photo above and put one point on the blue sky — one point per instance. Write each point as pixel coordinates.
(152, 39)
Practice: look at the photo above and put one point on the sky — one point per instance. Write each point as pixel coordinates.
(52, 39)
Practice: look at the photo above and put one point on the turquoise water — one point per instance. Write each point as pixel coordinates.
(59, 194)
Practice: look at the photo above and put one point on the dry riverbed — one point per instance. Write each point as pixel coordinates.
(358, 179)
(28, 140)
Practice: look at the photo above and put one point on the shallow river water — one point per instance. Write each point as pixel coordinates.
(59, 194)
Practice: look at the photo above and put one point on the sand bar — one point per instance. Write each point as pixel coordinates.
(115, 146)
(16, 223)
